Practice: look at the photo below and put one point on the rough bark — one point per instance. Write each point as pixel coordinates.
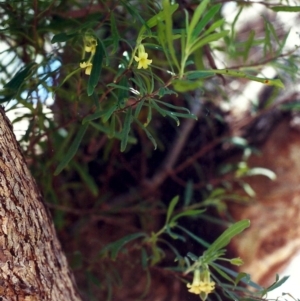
(32, 264)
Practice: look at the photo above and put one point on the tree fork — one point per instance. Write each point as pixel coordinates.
(33, 266)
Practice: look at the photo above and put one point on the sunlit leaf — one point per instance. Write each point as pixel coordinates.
(207, 18)
(207, 39)
(224, 239)
(196, 18)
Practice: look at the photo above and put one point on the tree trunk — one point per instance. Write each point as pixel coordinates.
(32, 264)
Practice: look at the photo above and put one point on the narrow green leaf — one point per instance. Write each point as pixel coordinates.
(150, 137)
(223, 274)
(72, 150)
(262, 171)
(207, 18)
(193, 236)
(126, 129)
(188, 193)
(144, 258)
(94, 116)
(210, 38)
(214, 26)
(292, 9)
(248, 45)
(245, 280)
(106, 131)
(109, 112)
(155, 19)
(174, 235)
(171, 207)
(224, 239)
(186, 213)
(16, 82)
(164, 112)
(116, 246)
(87, 179)
(138, 108)
(96, 69)
(112, 127)
(239, 74)
(196, 18)
(114, 32)
(199, 74)
(240, 276)
(123, 92)
(184, 85)
(277, 283)
(169, 31)
(173, 107)
(62, 37)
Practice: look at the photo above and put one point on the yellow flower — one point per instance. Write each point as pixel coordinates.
(142, 58)
(201, 284)
(90, 43)
(87, 66)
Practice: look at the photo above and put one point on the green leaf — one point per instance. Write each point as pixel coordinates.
(109, 112)
(241, 276)
(188, 193)
(214, 26)
(114, 32)
(173, 107)
(155, 19)
(248, 45)
(171, 207)
(164, 112)
(62, 37)
(199, 74)
(72, 150)
(223, 274)
(245, 280)
(112, 127)
(186, 213)
(96, 69)
(200, 42)
(262, 171)
(196, 18)
(13, 86)
(150, 137)
(173, 234)
(239, 74)
(169, 31)
(193, 236)
(85, 176)
(276, 284)
(224, 239)
(294, 106)
(184, 85)
(208, 17)
(95, 115)
(292, 9)
(126, 129)
(107, 131)
(116, 246)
